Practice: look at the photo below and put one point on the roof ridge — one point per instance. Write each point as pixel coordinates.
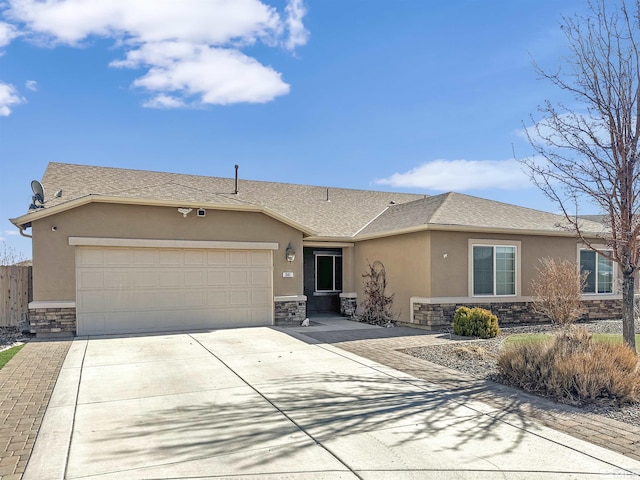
(263, 182)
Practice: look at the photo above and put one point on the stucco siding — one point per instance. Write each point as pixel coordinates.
(54, 258)
(406, 259)
(450, 258)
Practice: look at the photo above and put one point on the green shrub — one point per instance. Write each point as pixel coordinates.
(573, 369)
(475, 322)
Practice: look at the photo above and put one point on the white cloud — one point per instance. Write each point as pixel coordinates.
(462, 175)
(298, 35)
(163, 101)
(11, 232)
(217, 76)
(31, 85)
(7, 33)
(189, 48)
(8, 98)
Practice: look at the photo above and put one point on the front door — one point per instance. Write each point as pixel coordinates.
(322, 279)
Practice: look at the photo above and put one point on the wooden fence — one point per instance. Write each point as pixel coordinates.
(15, 294)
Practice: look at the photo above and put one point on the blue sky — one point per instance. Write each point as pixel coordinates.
(411, 95)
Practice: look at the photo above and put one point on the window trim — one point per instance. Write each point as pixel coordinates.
(494, 243)
(598, 249)
(317, 254)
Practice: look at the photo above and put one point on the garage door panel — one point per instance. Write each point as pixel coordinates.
(237, 258)
(117, 278)
(143, 300)
(239, 277)
(126, 290)
(92, 279)
(217, 277)
(171, 278)
(170, 257)
(217, 257)
(169, 300)
(117, 300)
(91, 324)
(261, 258)
(239, 298)
(260, 297)
(117, 257)
(195, 298)
(146, 278)
(261, 277)
(91, 256)
(195, 257)
(91, 302)
(145, 256)
(194, 278)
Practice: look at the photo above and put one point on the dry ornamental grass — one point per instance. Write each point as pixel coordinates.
(572, 369)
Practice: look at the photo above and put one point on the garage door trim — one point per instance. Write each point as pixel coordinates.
(182, 244)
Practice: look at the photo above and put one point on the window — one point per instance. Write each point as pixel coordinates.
(494, 270)
(600, 272)
(328, 272)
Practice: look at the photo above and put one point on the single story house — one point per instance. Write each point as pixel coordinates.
(121, 251)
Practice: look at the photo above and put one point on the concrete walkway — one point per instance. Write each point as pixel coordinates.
(384, 345)
(26, 384)
(259, 403)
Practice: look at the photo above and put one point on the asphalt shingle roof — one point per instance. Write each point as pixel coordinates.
(347, 213)
(456, 209)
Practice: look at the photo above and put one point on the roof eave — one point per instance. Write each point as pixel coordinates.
(25, 220)
(474, 229)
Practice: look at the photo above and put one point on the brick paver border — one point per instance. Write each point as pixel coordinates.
(597, 429)
(26, 385)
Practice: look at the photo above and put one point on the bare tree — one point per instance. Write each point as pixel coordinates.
(376, 306)
(558, 290)
(589, 151)
(8, 255)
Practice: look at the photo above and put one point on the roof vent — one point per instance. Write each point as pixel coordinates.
(392, 202)
(235, 191)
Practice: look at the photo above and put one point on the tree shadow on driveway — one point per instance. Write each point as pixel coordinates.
(254, 428)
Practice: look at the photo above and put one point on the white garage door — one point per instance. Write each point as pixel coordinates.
(125, 290)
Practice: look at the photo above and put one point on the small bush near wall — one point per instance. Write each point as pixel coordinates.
(573, 369)
(475, 322)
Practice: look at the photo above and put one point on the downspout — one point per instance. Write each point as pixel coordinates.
(21, 230)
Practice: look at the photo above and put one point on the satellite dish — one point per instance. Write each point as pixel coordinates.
(37, 201)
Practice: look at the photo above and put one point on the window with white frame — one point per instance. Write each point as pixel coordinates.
(328, 272)
(599, 272)
(494, 270)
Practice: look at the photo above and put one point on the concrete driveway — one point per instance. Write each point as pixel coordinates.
(258, 403)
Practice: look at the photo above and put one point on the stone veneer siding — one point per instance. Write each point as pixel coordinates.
(348, 306)
(53, 322)
(437, 315)
(289, 312)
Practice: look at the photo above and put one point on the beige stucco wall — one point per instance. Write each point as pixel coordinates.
(54, 258)
(407, 262)
(449, 276)
(348, 269)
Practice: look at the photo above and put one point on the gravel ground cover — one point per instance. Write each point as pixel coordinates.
(478, 358)
(10, 336)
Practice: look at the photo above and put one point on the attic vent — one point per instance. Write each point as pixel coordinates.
(392, 202)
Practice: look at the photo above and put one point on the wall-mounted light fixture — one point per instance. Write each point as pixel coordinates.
(290, 253)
